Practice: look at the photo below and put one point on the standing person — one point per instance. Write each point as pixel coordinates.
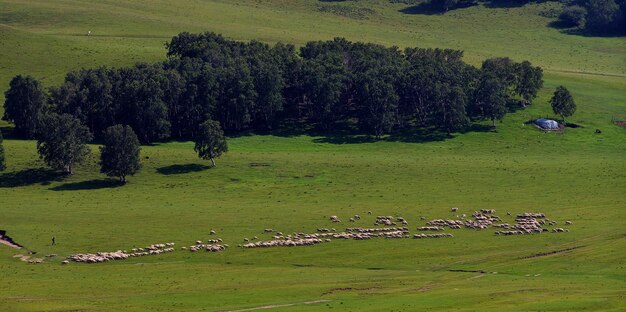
(54, 240)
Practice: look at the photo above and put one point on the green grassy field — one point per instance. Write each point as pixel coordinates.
(576, 175)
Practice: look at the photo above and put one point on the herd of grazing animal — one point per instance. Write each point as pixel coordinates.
(526, 223)
(154, 249)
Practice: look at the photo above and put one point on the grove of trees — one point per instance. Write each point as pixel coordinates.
(595, 16)
(374, 89)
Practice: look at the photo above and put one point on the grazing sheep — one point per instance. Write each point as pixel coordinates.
(568, 222)
(455, 209)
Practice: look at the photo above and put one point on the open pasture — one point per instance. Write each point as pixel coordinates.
(293, 182)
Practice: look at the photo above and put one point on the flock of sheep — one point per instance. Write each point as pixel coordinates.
(526, 223)
(154, 249)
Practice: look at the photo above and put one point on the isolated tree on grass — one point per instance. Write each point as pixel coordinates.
(210, 141)
(563, 103)
(23, 104)
(62, 142)
(3, 164)
(119, 157)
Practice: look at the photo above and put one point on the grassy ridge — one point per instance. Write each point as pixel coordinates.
(578, 176)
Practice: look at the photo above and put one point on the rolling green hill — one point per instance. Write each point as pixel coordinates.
(576, 175)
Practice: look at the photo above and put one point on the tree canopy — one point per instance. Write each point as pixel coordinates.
(563, 103)
(24, 103)
(62, 141)
(246, 86)
(210, 141)
(119, 156)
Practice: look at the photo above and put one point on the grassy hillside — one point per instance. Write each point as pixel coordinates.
(576, 175)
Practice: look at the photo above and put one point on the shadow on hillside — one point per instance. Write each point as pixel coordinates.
(409, 135)
(505, 4)
(575, 31)
(431, 8)
(181, 169)
(26, 177)
(88, 185)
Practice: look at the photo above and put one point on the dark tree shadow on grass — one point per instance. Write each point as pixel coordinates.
(432, 8)
(88, 185)
(181, 169)
(26, 177)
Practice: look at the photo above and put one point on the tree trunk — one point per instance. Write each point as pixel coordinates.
(213, 162)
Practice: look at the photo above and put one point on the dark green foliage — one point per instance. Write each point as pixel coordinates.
(210, 141)
(192, 94)
(3, 164)
(425, 86)
(62, 141)
(490, 98)
(529, 81)
(256, 86)
(323, 86)
(236, 95)
(449, 108)
(140, 94)
(24, 104)
(574, 16)
(87, 95)
(266, 69)
(119, 156)
(563, 103)
(378, 102)
(602, 17)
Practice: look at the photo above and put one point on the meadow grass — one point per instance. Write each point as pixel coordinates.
(577, 175)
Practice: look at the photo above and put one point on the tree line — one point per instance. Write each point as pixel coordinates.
(595, 16)
(255, 86)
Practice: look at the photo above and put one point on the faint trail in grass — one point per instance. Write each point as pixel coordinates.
(274, 306)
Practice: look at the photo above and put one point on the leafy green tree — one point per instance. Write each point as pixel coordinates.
(378, 101)
(3, 164)
(324, 84)
(236, 96)
(210, 141)
(563, 103)
(269, 83)
(449, 105)
(603, 15)
(574, 15)
(529, 82)
(192, 94)
(490, 98)
(62, 141)
(119, 156)
(24, 103)
(87, 94)
(140, 94)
